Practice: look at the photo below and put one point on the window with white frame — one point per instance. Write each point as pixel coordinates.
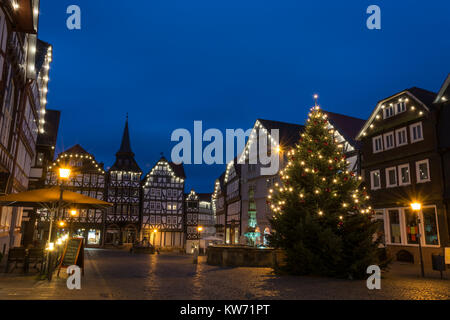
(400, 107)
(389, 140)
(388, 111)
(416, 132)
(391, 177)
(401, 136)
(394, 226)
(377, 144)
(375, 179)
(380, 234)
(423, 171)
(403, 175)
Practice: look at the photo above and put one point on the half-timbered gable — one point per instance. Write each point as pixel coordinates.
(192, 209)
(162, 204)
(345, 129)
(123, 190)
(87, 178)
(402, 165)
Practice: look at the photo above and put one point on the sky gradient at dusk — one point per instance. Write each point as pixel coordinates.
(227, 63)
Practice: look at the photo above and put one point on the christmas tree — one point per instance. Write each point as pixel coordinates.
(321, 215)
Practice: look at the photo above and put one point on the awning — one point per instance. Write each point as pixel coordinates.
(50, 198)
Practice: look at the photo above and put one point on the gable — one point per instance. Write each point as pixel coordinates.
(444, 93)
(386, 114)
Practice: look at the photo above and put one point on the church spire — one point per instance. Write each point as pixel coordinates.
(125, 157)
(125, 146)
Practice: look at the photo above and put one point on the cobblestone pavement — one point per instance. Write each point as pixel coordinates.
(120, 275)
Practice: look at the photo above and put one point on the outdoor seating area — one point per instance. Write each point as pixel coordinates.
(24, 259)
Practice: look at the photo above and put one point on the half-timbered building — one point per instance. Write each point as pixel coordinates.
(192, 209)
(255, 186)
(163, 221)
(403, 144)
(45, 153)
(199, 220)
(123, 190)
(233, 211)
(22, 106)
(87, 178)
(218, 206)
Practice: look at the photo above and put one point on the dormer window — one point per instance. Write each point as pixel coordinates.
(400, 107)
(388, 111)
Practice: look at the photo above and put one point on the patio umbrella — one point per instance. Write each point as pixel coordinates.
(50, 197)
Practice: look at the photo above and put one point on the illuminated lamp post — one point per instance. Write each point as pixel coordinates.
(64, 174)
(416, 207)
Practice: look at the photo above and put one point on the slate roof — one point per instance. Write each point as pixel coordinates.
(427, 97)
(76, 149)
(347, 126)
(289, 132)
(125, 157)
(204, 197)
(178, 169)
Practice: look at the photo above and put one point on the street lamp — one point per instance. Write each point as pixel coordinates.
(199, 229)
(63, 174)
(416, 207)
(154, 236)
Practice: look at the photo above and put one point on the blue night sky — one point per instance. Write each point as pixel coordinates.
(227, 63)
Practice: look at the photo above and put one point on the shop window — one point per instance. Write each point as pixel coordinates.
(412, 228)
(394, 226)
(430, 226)
(93, 236)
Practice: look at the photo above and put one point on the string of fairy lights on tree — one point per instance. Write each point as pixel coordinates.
(316, 176)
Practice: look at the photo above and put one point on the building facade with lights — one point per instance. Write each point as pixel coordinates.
(405, 150)
(45, 153)
(199, 220)
(24, 66)
(255, 187)
(233, 204)
(123, 221)
(163, 219)
(218, 206)
(88, 178)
